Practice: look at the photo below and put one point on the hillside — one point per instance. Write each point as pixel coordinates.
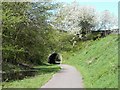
(97, 61)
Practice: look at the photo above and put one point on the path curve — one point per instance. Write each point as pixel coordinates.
(67, 77)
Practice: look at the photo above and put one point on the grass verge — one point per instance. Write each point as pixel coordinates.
(44, 73)
(97, 61)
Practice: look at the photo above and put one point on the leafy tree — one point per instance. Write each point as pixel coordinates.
(13, 25)
(26, 31)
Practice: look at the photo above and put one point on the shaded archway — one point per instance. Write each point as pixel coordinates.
(55, 58)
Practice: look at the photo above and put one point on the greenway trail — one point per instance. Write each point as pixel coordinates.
(67, 77)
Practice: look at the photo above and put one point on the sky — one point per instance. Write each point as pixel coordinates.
(100, 5)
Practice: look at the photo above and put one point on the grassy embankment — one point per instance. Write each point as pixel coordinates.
(44, 73)
(97, 61)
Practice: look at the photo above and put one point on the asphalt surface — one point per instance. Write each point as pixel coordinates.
(67, 77)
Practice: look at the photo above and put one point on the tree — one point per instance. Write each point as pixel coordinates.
(64, 19)
(107, 20)
(26, 32)
(87, 19)
(75, 18)
(13, 24)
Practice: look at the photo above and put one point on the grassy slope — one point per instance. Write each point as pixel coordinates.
(97, 61)
(43, 75)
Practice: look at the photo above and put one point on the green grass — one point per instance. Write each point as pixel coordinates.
(44, 73)
(97, 61)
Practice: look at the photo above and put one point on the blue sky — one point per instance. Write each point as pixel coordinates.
(100, 5)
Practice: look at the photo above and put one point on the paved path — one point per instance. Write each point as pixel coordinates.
(67, 77)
